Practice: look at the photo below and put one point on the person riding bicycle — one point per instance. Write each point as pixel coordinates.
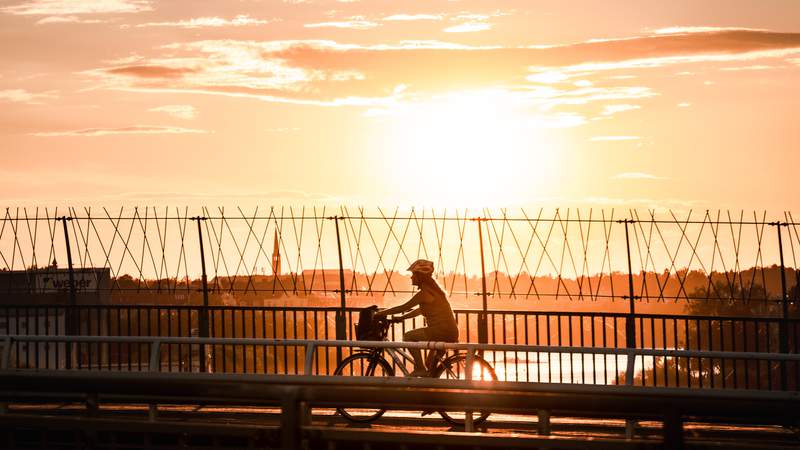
(432, 303)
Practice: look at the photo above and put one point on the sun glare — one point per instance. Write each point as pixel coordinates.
(469, 149)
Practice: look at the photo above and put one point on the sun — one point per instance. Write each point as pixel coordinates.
(468, 149)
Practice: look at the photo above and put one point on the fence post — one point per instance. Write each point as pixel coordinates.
(341, 314)
(784, 324)
(203, 316)
(630, 321)
(630, 329)
(483, 323)
(70, 316)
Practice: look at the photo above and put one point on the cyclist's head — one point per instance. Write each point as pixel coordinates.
(420, 270)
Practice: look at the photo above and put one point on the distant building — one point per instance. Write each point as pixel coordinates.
(43, 300)
(317, 280)
(25, 286)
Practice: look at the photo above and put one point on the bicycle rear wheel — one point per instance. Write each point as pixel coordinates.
(363, 365)
(455, 368)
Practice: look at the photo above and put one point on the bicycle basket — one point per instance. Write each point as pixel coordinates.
(368, 328)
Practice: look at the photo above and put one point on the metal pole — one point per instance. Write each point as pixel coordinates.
(203, 316)
(630, 321)
(71, 319)
(784, 326)
(483, 324)
(341, 317)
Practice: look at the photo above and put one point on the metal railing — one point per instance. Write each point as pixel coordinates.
(297, 395)
(593, 330)
(537, 363)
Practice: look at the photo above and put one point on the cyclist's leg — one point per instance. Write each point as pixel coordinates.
(439, 335)
(433, 357)
(418, 335)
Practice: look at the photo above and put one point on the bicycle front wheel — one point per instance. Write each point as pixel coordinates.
(455, 368)
(363, 365)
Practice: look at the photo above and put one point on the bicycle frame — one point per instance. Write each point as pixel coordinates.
(399, 356)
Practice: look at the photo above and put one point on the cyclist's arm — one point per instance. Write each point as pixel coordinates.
(413, 313)
(407, 306)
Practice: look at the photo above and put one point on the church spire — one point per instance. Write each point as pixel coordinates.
(276, 257)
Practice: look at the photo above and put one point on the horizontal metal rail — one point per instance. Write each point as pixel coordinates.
(311, 347)
(428, 345)
(297, 394)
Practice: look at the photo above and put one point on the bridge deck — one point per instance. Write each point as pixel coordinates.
(194, 426)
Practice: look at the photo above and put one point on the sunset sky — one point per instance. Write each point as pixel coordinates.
(679, 104)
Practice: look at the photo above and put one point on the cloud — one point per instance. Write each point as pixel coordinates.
(636, 176)
(134, 129)
(186, 112)
(282, 130)
(71, 7)
(548, 77)
(614, 138)
(272, 196)
(152, 71)
(650, 203)
(412, 17)
(750, 68)
(686, 30)
(609, 110)
(355, 23)
(206, 22)
(468, 27)
(23, 96)
(66, 19)
(329, 73)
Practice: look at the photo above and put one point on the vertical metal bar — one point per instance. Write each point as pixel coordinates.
(468, 419)
(203, 318)
(308, 368)
(341, 319)
(483, 326)
(630, 326)
(784, 326)
(73, 297)
(264, 336)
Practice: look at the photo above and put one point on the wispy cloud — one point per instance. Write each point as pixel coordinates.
(153, 71)
(614, 138)
(609, 110)
(412, 17)
(685, 30)
(66, 19)
(135, 129)
(330, 73)
(468, 27)
(636, 176)
(23, 96)
(72, 7)
(206, 22)
(354, 23)
(273, 196)
(282, 130)
(750, 68)
(186, 112)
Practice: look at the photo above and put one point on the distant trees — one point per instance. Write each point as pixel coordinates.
(735, 318)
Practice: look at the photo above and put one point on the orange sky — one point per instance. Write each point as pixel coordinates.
(680, 104)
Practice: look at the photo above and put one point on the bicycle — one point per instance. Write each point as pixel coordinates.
(447, 365)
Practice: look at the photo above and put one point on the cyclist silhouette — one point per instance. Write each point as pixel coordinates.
(432, 303)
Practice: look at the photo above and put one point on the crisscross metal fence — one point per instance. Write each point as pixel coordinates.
(709, 280)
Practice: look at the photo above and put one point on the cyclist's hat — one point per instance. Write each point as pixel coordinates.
(422, 266)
